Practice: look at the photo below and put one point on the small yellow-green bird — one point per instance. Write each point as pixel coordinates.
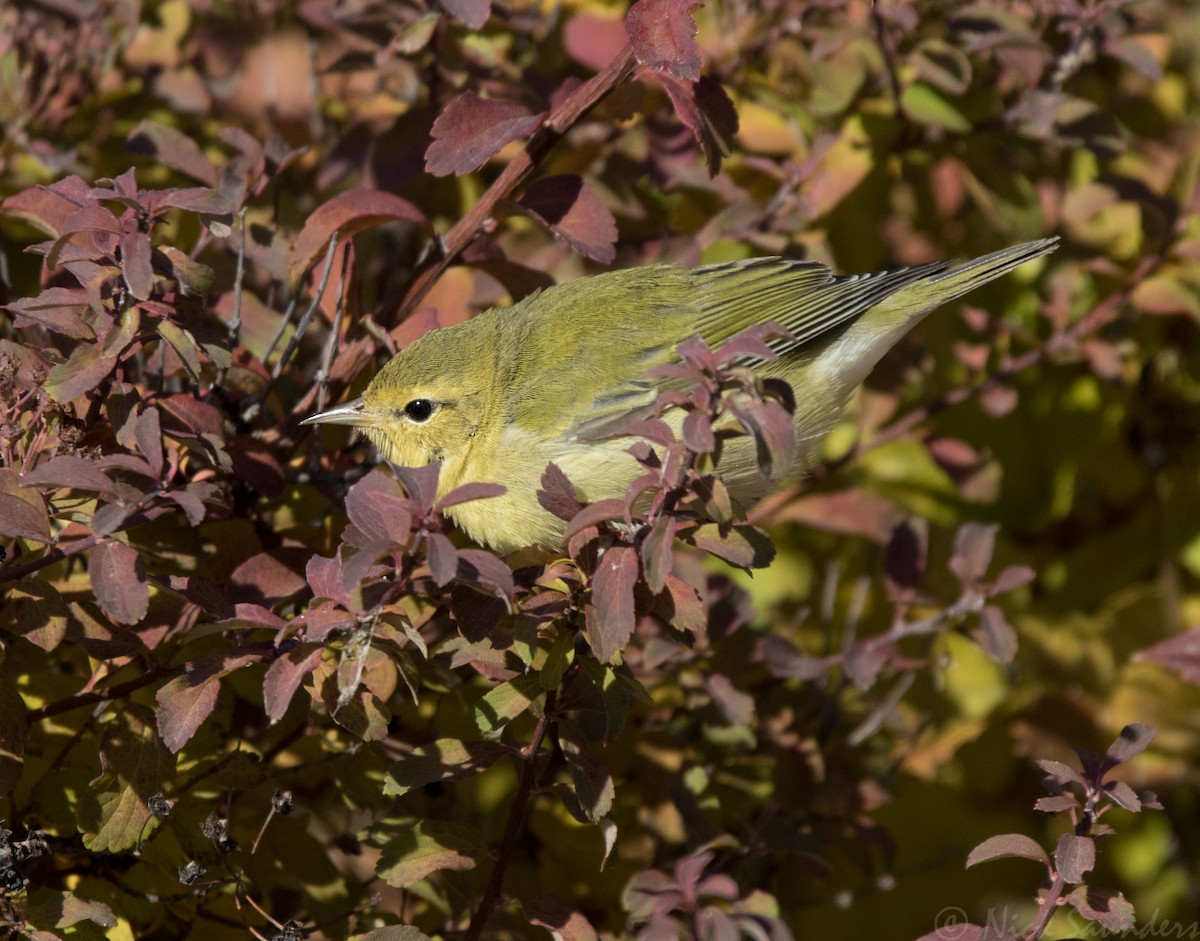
(497, 398)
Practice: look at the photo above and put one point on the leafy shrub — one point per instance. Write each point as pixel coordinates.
(251, 686)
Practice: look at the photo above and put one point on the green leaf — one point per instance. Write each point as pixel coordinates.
(419, 848)
(447, 759)
(507, 701)
(137, 765)
(926, 105)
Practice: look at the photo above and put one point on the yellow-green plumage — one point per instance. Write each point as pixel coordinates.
(516, 388)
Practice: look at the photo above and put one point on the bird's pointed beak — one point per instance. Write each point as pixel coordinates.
(351, 413)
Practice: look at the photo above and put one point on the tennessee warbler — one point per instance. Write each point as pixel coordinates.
(498, 397)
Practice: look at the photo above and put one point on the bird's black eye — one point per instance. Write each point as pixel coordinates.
(419, 410)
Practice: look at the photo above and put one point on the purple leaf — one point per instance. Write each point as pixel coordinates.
(973, 547)
(1006, 845)
(1133, 740)
(148, 435)
(175, 149)
(475, 566)
(1123, 796)
(119, 581)
(346, 215)
(906, 556)
(59, 310)
(471, 13)
(442, 558)
(1056, 804)
(69, 470)
(611, 615)
(420, 483)
(1074, 857)
(1062, 773)
(705, 109)
(574, 212)
(561, 919)
(595, 513)
(996, 636)
(1014, 576)
(378, 512)
(680, 606)
(135, 264)
(774, 435)
(184, 702)
(472, 491)
(662, 33)
(22, 520)
(1110, 910)
(1181, 654)
(958, 931)
(657, 555)
(286, 674)
(697, 433)
(556, 495)
(472, 130)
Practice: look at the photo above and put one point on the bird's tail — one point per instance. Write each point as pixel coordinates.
(851, 357)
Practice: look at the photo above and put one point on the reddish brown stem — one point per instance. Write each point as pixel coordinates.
(562, 119)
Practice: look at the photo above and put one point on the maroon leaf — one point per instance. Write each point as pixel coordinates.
(662, 33)
(774, 435)
(57, 309)
(697, 432)
(973, 547)
(148, 435)
(69, 470)
(996, 635)
(175, 149)
(471, 13)
(420, 483)
(1006, 845)
(43, 208)
(472, 130)
(346, 214)
(593, 514)
(135, 264)
(183, 704)
(1014, 576)
(593, 39)
(442, 557)
(475, 566)
(574, 212)
(1123, 796)
(1133, 740)
(285, 675)
(1062, 773)
(906, 556)
(706, 110)
(325, 578)
(377, 510)
(1056, 804)
(657, 555)
(557, 495)
(560, 918)
(1074, 856)
(1109, 909)
(473, 491)
(22, 520)
(611, 615)
(119, 581)
(1181, 654)
(265, 578)
(681, 607)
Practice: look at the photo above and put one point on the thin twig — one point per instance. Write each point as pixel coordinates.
(512, 829)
